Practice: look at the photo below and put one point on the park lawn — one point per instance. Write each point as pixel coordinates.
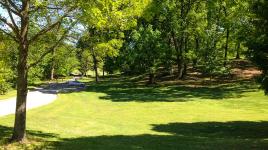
(9, 94)
(115, 115)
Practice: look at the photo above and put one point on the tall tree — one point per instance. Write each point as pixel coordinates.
(18, 25)
(258, 40)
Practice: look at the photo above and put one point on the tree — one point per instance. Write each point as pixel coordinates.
(146, 49)
(258, 40)
(22, 18)
(105, 22)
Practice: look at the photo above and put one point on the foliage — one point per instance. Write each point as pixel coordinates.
(6, 73)
(258, 39)
(143, 53)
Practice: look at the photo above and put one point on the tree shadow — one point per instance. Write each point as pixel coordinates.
(37, 139)
(203, 135)
(122, 90)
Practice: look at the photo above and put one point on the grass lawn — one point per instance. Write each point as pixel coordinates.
(9, 94)
(116, 114)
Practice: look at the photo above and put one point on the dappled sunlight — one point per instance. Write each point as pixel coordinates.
(196, 135)
(126, 91)
(124, 115)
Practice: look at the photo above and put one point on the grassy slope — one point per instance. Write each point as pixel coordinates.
(121, 115)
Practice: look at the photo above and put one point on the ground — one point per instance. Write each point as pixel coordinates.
(11, 93)
(119, 113)
(35, 99)
(124, 113)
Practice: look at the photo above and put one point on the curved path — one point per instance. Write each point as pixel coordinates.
(41, 96)
(34, 99)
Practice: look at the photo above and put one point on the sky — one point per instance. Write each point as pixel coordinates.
(3, 12)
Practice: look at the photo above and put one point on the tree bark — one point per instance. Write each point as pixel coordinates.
(95, 61)
(197, 50)
(238, 51)
(185, 59)
(19, 131)
(180, 67)
(227, 38)
(178, 49)
(226, 47)
(52, 65)
(103, 71)
(151, 78)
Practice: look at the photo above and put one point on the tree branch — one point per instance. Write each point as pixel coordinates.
(34, 9)
(9, 34)
(14, 5)
(52, 47)
(17, 12)
(48, 28)
(6, 22)
(12, 19)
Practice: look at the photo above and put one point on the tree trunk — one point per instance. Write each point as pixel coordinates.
(169, 54)
(103, 72)
(151, 78)
(180, 67)
(226, 47)
(95, 67)
(197, 50)
(19, 132)
(185, 59)
(184, 70)
(238, 51)
(178, 49)
(52, 65)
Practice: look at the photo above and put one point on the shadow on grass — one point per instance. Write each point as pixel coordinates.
(201, 135)
(121, 90)
(204, 135)
(36, 139)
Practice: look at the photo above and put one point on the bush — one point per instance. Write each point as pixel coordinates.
(263, 80)
(4, 87)
(265, 84)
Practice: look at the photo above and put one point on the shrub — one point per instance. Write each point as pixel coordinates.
(4, 87)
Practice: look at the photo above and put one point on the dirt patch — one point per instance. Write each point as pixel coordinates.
(240, 70)
(246, 73)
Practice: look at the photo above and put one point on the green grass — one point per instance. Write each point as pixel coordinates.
(116, 114)
(9, 94)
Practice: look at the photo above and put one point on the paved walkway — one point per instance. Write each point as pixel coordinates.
(34, 99)
(41, 96)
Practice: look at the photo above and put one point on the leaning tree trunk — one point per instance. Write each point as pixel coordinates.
(180, 59)
(226, 47)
